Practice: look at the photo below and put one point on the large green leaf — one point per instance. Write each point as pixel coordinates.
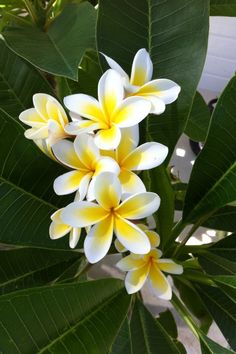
(60, 49)
(175, 33)
(198, 120)
(71, 318)
(223, 8)
(225, 248)
(212, 183)
(227, 284)
(222, 309)
(148, 335)
(224, 219)
(216, 265)
(27, 267)
(122, 343)
(26, 193)
(208, 346)
(18, 82)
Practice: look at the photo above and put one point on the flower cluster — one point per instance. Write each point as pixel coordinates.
(100, 147)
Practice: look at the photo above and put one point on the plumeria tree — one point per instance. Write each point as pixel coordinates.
(93, 99)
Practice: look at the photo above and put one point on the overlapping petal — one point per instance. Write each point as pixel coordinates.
(139, 206)
(131, 183)
(81, 126)
(166, 90)
(98, 240)
(135, 279)
(130, 263)
(65, 153)
(169, 266)
(142, 68)
(74, 237)
(159, 283)
(109, 138)
(82, 214)
(146, 156)
(84, 105)
(107, 190)
(69, 182)
(129, 141)
(58, 228)
(86, 150)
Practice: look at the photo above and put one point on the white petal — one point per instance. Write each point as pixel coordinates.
(115, 66)
(37, 133)
(142, 68)
(110, 91)
(159, 284)
(131, 236)
(68, 183)
(106, 164)
(157, 105)
(57, 228)
(84, 105)
(32, 118)
(166, 90)
(74, 237)
(82, 214)
(131, 112)
(65, 153)
(98, 240)
(129, 141)
(130, 263)
(130, 183)
(80, 127)
(135, 279)
(108, 139)
(169, 266)
(146, 156)
(139, 206)
(86, 150)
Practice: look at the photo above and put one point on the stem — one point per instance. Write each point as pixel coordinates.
(184, 314)
(177, 229)
(30, 10)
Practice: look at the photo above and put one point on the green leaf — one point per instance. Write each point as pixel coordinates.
(175, 33)
(193, 302)
(74, 318)
(212, 182)
(225, 248)
(216, 265)
(18, 82)
(223, 8)
(26, 193)
(208, 346)
(222, 309)
(199, 119)
(29, 267)
(224, 219)
(227, 285)
(122, 343)
(166, 320)
(148, 334)
(157, 180)
(60, 49)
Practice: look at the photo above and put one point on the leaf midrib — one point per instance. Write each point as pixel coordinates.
(80, 322)
(32, 196)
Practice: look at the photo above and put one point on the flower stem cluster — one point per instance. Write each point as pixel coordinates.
(100, 146)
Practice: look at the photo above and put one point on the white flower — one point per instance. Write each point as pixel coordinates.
(47, 121)
(159, 92)
(107, 114)
(109, 215)
(84, 158)
(149, 267)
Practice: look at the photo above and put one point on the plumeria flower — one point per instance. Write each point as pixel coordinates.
(47, 121)
(159, 92)
(108, 114)
(84, 158)
(59, 229)
(108, 215)
(132, 157)
(149, 267)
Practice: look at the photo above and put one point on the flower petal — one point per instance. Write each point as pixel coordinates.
(135, 279)
(159, 284)
(86, 150)
(80, 127)
(129, 141)
(110, 91)
(142, 68)
(40, 102)
(130, 263)
(74, 236)
(154, 238)
(106, 164)
(98, 240)
(131, 183)
(131, 112)
(108, 139)
(107, 190)
(166, 90)
(139, 206)
(169, 266)
(55, 132)
(57, 228)
(146, 156)
(32, 118)
(82, 214)
(133, 238)
(119, 247)
(37, 133)
(68, 183)
(84, 105)
(115, 66)
(65, 152)
(55, 111)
